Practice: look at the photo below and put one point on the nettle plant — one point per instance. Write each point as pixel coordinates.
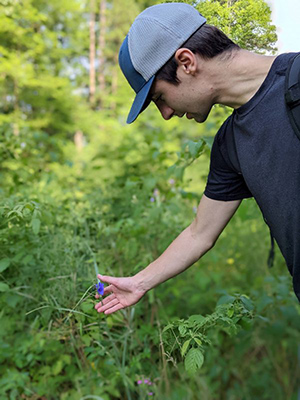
(188, 339)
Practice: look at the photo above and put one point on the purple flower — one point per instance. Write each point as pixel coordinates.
(146, 380)
(152, 199)
(150, 393)
(155, 192)
(171, 181)
(139, 382)
(100, 288)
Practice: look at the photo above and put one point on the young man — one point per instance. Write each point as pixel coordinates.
(171, 57)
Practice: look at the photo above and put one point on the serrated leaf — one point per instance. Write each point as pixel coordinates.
(198, 341)
(36, 223)
(4, 263)
(3, 287)
(196, 320)
(185, 347)
(194, 360)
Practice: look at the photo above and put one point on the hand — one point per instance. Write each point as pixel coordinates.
(124, 293)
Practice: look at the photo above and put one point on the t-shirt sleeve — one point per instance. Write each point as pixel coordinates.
(224, 183)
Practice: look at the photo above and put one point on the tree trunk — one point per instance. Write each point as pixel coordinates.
(114, 82)
(79, 140)
(102, 29)
(92, 53)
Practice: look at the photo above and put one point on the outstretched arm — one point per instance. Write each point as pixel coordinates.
(185, 250)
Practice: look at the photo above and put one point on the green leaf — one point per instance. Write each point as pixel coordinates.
(87, 307)
(167, 327)
(198, 341)
(196, 320)
(226, 299)
(230, 312)
(3, 287)
(36, 223)
(179, 172)
(58, 366)
(4, 263)
(246, 324)
(185, 347)
(192, 148)
(194, 360)
(196, 148)
(182, 330)
(247, 303)
(208, 141)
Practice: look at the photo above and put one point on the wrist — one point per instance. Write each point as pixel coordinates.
(143, 281)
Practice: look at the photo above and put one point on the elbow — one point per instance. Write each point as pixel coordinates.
(209, 245)
(205, 239)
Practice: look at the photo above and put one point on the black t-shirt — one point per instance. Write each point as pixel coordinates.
(266, 163)
(225, 182)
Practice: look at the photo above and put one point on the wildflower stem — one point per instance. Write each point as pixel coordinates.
(81, 299)
(36, 309)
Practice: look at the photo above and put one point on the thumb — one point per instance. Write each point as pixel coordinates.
(107, 279)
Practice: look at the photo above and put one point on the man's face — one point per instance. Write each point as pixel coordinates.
(187, 98)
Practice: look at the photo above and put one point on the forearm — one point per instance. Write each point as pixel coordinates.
(184, 251)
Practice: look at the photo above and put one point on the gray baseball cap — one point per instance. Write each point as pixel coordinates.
(152, 40)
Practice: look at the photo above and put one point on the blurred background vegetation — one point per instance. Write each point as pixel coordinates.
(81, 191)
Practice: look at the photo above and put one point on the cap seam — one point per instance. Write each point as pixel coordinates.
(162, 25)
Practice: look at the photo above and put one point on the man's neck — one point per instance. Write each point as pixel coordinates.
(237, 79)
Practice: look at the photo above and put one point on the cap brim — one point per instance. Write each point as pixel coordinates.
(141, 101)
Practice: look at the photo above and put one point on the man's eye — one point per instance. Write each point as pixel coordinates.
(155, 99)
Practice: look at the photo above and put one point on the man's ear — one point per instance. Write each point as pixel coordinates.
(186, 60)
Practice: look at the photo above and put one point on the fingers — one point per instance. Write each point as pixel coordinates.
(108, 306)
(114, 309)
(105, 301)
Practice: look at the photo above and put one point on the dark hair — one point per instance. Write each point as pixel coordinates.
(208, 41)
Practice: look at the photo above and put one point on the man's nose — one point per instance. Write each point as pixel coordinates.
(166, 111)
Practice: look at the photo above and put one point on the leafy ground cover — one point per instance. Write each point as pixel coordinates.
(228, 328)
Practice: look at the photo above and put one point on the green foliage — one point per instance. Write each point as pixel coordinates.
(190, 151)
(231, 314)
(246, 22)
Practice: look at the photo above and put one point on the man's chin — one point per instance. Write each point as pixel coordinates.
(200, 119)
(197, 118)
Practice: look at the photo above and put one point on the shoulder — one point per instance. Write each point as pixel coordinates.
(221, 136)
